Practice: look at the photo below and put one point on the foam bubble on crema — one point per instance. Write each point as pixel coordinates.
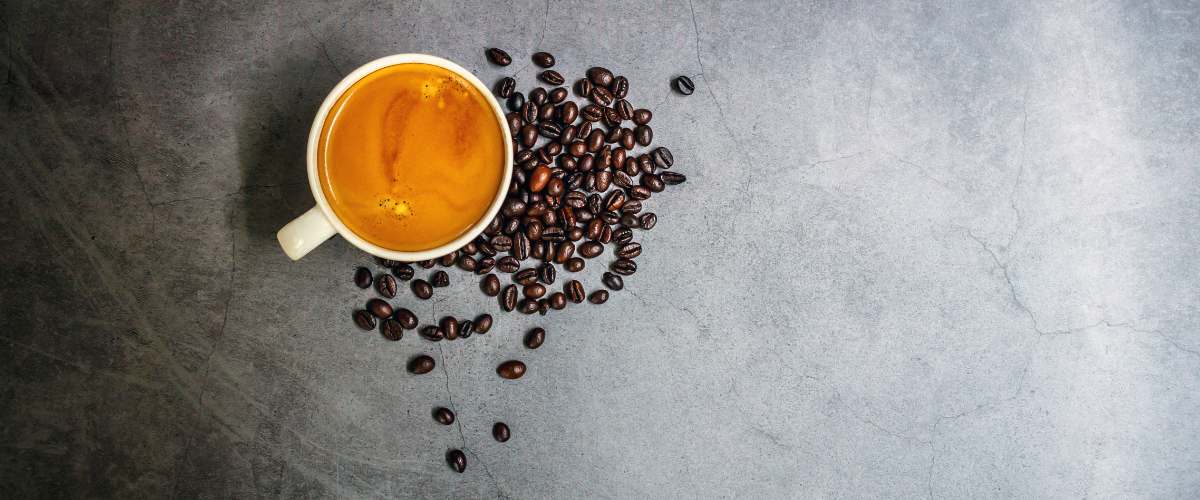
(400, 209)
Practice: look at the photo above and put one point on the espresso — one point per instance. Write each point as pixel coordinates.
(411, 157)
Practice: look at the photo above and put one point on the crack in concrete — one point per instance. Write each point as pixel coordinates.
(458, 424)
(541, 38)
(324, 51)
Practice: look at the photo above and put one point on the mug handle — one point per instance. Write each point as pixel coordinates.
(304, 233)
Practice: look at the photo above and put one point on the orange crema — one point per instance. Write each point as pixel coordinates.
(410, 157)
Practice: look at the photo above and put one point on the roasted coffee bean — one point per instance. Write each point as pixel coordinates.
(574, 264)
(427, 264)
(628, 141)
(662, 157)
(538, 96)
(598, 297)
(642, 116)
(568, 112)
(443, 416)
(422, 289)
(483, 323)
(498, 57)
(593, 230)
(622, 235)
(550, 130)
(566, 138)
(568, 163)
(529, 135)
(595, 140)
(514, 120)
(403, 271)
(605, 235)
(645, 164)
(421, 365)
(648, 220)
(449, 325)
(439, 279)
(629, 250)
(599, 76)
(466, 263)
(624, 267)
(485, 266)
(490, 285)
(510, 228)
(653, 182)
(514, 207)
(577, 149)
(624, 109)
(391, 329)
(364, 319)
(630, 220)
(522, 156)
(552, 77)
(565, 251)
(632, 166)
(618, 156)
(543, 59)
(362, 277)
(527, 306)
(526, 276)
(553, 233)
(583, 87)
(448, 259)
(584, 215)
(622, 179)
(535, 291)
(520, 249)
(511, 370)
(639, 193)
(508, 299)
(554, 188)
(644, 134)
(470, 248)
(505, 88)
(457, 460)
(619, 88)
(431, 333)
(574, 291)
(557, 95)
(500, 432)
(595, 204)
(575, 233)
(465, 328)
(406, 318)
(631, 207)
(543, 306)
(613, 281)
(380, 308)
(575, 199)
(612, 119)
(601, 96)
(615, 200)
(535, 338)
(501, 243)
(684, 85)
(585, 128)
(557, 301)
(547, 273)
(592, 113)
(592, 249)
(672, 178)
(386, 286)
(507, 264)
(613, 136)
(538, 251)
(546, 112)
(536, 208)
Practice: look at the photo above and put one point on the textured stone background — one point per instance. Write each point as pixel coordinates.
(943, 249)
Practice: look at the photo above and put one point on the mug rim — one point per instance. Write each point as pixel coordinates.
(314, 136)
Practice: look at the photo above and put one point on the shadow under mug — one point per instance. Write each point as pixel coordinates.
(318, 224)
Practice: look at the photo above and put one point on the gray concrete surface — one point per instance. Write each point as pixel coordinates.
(927, 250)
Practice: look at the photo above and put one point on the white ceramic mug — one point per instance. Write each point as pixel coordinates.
(306, 232)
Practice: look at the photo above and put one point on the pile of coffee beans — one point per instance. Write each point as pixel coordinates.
(585, 168)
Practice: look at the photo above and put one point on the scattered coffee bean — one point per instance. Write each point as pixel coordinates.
(543, 59)
(546, 272)
(613, 281)
(552, 77)
(443, 416)
(622, 235)
(422, 289)
(538, 97)
(466, 263)
(601, 96)
(432, 333)
(515, 102)
(386, 285)
(643, 134)
(662, 157)
(421, 365)
(449, 326)
(440, 279)
(362, 277)
(500, 432)
(527, 306)
(490, 285)
(483, 323)
(403, 272)
(574, 264)
(535, 337)
(648, 220)
(391, 329)
(557, 95)
(574, 291)
(642, 116)
(457, 460)
(672, 178)
(364, 319)
(684, 85)
(592, 248)
(639, 193)
(511, 370)
(624, 267)
(406, 318)
(599, 76)
(583, 87)
(557, 300)
(498, 57)
(619, 88)
(507, 264)
(629, 250)
(526, 276)
(598, 297)
(508, 298)
(379, 308)
(505, 88)
(466, 328)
